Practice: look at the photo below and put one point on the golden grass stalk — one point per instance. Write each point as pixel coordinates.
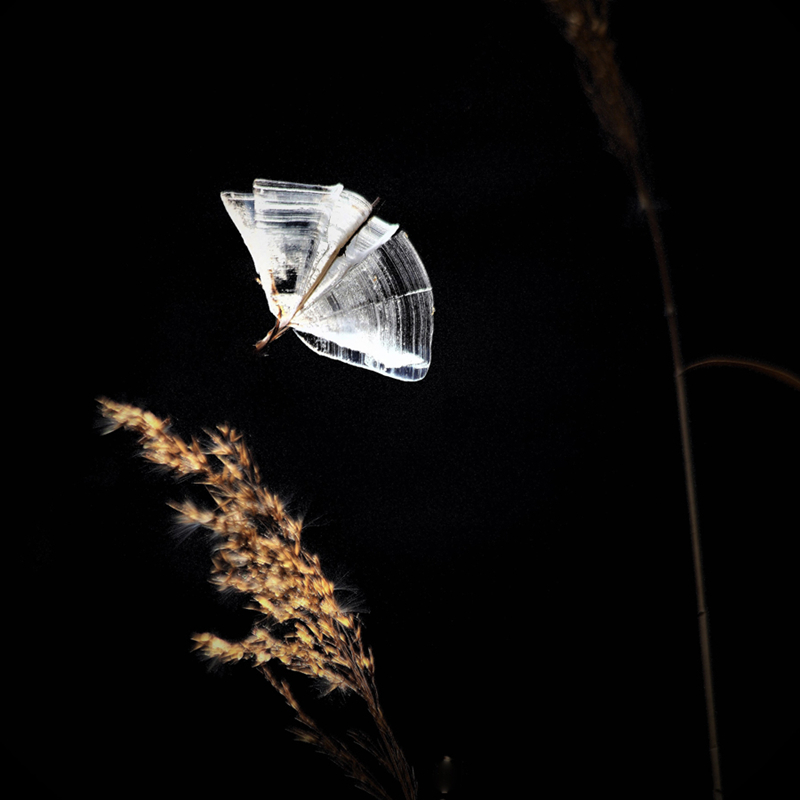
(259, 553)
(585, 26)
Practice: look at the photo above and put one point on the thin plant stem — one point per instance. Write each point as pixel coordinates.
(585, 26)
(688, 470)
(778, 373)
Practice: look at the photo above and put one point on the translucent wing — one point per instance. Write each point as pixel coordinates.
(351, 286)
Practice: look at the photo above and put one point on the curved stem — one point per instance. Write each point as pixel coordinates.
(780, 374)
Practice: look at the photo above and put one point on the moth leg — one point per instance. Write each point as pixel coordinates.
(277, 331)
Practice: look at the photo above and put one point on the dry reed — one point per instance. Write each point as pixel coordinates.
(585, 26)
(259, 553)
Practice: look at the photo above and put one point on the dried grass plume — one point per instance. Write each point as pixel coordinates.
(259, 553)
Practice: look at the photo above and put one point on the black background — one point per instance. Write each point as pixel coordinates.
(515, 525)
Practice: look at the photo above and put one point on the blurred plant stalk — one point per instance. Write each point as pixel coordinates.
(585, 26)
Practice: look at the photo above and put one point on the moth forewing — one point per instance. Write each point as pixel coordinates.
(350, 285)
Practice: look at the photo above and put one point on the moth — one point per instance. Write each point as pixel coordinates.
(349, 284)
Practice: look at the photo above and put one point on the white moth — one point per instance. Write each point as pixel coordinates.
(350, 285)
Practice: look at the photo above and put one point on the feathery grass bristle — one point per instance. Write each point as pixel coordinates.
(258, 552)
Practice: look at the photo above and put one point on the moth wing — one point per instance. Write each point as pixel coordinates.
(378, 313)
(291, 231)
